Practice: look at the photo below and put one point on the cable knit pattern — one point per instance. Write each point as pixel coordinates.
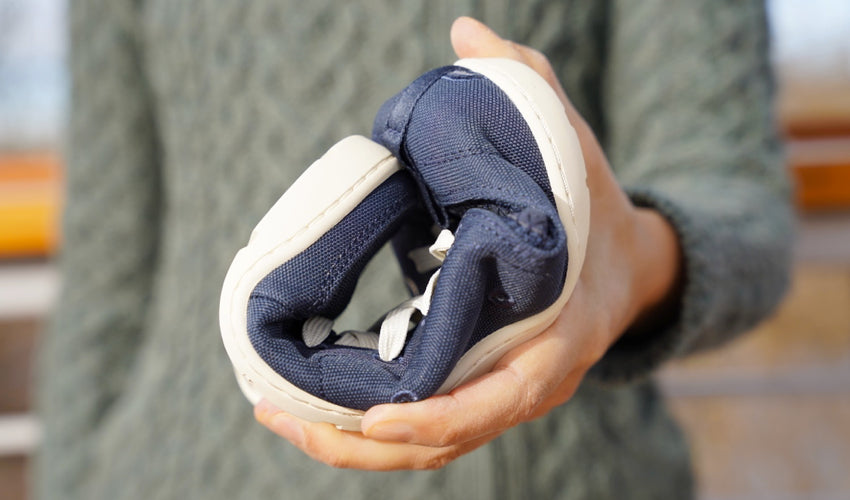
(190, 117)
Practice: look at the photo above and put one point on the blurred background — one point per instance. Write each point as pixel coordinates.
(768, 417)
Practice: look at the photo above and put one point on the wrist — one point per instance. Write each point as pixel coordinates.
(658, 272)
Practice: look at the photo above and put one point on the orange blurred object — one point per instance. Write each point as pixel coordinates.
(812, 63)
(821, 171)
(30, 200)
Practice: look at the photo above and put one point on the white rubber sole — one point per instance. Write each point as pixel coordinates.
(321, 197)
(340, 180)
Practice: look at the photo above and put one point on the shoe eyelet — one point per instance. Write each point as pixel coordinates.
(499, 297)
(404, 397)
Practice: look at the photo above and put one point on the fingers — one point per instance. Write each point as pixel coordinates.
(501, 399)
(528, 381)
(345, 449)
(537, 375)
(431, 433)
(564, 392)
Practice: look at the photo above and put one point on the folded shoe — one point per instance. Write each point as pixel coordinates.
(481, 150)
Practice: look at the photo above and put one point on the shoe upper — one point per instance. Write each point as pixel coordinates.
(472, 166)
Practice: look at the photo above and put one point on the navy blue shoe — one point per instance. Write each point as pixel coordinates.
(475, 176)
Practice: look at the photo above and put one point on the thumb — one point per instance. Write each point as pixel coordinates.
(472, 38)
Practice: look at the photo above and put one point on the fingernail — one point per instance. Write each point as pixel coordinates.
(392, 430)
(288, 427)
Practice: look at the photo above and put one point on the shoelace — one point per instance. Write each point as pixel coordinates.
(396, 323)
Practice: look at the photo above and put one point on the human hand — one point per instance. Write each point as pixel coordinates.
(630, 271)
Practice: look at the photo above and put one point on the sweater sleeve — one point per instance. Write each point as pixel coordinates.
(687, 98)
(110, 230)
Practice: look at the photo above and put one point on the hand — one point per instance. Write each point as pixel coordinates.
(631, 270)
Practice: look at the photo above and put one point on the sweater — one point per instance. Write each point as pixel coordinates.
(189, 118)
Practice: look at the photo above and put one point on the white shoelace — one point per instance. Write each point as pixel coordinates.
(396, 323)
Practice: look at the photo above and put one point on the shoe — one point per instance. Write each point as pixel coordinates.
(475, 176)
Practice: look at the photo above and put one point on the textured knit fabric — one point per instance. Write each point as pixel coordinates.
(190, 117)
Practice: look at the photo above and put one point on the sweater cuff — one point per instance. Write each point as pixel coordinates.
(635, 357)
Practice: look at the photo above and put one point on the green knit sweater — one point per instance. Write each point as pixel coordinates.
(190, 117)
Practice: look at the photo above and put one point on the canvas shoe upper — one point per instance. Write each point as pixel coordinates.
(479, 157)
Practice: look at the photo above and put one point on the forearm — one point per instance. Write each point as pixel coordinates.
(690, 135)
(659, 272)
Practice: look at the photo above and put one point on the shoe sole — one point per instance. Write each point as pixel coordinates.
(337, 182)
